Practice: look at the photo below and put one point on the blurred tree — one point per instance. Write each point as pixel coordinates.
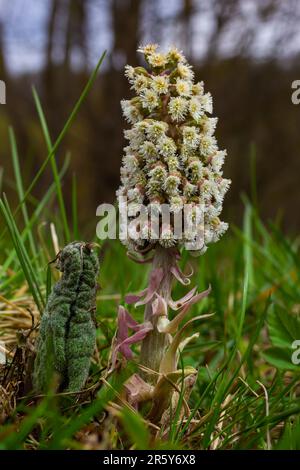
(125, 21)
(186, 14)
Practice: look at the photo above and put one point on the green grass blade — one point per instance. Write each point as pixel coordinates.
(136, 429)
(23, 257)
(56, 178)
(248, 270)
(228, 379)
(19, 183)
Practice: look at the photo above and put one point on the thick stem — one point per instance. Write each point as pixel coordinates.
(155, 343)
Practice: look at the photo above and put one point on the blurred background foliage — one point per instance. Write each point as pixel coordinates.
(246, 51)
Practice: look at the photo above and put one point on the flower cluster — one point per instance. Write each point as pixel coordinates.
(172, 156)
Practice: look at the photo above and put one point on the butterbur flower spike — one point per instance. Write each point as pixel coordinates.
(172, 158)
